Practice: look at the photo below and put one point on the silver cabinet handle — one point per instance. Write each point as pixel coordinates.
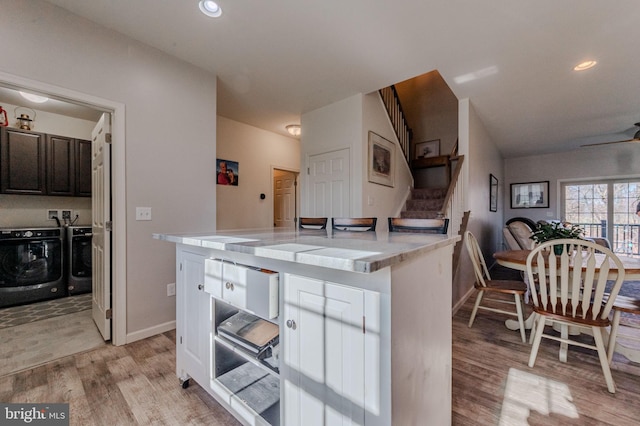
(200, 286)
(229, 286)
(291, 324)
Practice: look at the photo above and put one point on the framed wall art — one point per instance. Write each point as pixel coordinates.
(381, 164)
(227, 172)
(428, 149)
(530, 195)
(493, 193)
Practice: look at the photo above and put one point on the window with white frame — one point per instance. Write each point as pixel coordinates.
(605, 208)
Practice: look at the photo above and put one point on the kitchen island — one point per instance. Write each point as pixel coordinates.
(362, 324)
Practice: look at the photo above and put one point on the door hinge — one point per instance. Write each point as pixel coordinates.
(308, 170)
(180, 339)
(181, 266)
(107, 314)
(108, 226)
(363, 325)
(107, 137)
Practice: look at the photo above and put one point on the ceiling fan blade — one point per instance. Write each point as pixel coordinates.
(612, 142)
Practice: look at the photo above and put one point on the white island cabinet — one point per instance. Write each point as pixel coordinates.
(314, 328)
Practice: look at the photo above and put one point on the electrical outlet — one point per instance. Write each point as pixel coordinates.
(52, 214)
(143, 213)
(171, 289)
(66, 214)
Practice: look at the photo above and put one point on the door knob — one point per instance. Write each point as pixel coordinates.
(200, 286)
(291, 324)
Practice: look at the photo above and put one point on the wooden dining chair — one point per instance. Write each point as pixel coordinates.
(427, 226)
(569, 292)
(354, 223)
(485, 285)
(623, 304)
(313, 222)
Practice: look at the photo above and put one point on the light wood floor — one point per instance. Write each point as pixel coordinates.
(492, 385)
(34, 343)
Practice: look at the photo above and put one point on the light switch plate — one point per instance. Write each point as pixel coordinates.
(143, 213)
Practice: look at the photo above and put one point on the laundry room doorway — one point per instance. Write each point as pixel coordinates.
(110, 270)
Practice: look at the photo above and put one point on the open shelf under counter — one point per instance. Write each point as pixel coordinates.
(251, 390)
(264, 364)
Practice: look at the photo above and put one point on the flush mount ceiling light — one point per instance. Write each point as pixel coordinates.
(585, 65)
(210, 8)
(293, 129)
(34, 98)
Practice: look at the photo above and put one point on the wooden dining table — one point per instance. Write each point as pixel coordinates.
(517, 259)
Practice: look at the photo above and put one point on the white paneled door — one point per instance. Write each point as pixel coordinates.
(284, 198)
(329, 184)
(101, 222)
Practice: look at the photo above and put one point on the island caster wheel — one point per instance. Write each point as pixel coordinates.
(184, 383)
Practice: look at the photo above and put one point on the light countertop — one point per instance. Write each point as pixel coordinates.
(348, 251)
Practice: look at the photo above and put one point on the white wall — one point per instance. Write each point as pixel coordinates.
(168, 158)
(346, 124)
(385, 201)
(257, 151)
(481, 159)
(616, 160)
(331, 128)
(53, 124)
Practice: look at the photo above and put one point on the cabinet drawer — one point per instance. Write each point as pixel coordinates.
(252, 289)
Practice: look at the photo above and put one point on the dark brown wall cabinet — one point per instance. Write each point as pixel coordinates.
(40, 164)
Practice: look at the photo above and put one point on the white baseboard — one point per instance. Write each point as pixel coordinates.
(461, 302)
(151, 331)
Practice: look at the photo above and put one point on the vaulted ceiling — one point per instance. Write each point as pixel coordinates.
(513, 59)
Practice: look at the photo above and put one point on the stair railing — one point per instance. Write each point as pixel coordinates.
(453, 206)
(389, 97)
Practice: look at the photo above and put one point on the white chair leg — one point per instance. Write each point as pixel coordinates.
(523, 334)
(611, 346)
(564, 347)
(602, 354)
(539, 328)
(536, 317)
(475, 308)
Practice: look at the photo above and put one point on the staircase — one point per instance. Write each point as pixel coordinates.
(425, 203)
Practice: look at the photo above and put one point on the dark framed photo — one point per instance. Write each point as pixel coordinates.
(381, 160)
(227, 172)
(428, 149)
(530, 195)
(493, 193)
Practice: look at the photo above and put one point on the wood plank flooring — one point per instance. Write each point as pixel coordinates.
(492, 385)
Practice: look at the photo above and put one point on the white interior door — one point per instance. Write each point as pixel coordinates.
(284, 198)
(329, 184)
(101, 222)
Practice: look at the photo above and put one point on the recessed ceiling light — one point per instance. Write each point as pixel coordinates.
(34, 98)
(210, 8)
(585, 65)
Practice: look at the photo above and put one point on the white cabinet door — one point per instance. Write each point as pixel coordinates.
(323, 353)
(193, 319)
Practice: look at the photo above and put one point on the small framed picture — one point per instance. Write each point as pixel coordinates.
(381, 167)
(227, 172)
(493, 193)
(428, 149)
(530, 195)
